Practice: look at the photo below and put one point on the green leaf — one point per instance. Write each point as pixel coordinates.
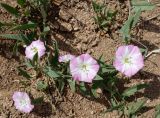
(24, 73)
(104, 23)
(20, 37)
(1, 25)
(95, 86)
(132, 90)
(15, 48)
(41, 85)
(157, 109)
(10, 9)
(54, 60)
(98, 77)
(72, 84)
(116, 107)
(125, 30)
(29, 64)
(83, 88)
(136, 17)
(5, 24)
(45, 31)
(51, 73)
(35, 59)
(129, 24)
(97, 7)
(106, 68)
(142, 4)
(134, 107)
(21, 2)
(24, 27)
(61, 85)
(38, 100)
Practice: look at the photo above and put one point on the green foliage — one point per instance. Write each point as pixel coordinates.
(157, 109)
(41, 85)
(132, 90)
(10, 9)
(53, 60)
(38, 100)
(72, 84)
(29, 64)
(82, 89)
(138, 6)
(133, 107)
(104, 16)
(141, 4)
(21, 2)
(24, 73)
(129, 24)
(19, 37)
(51, 73)
(24, 27)
(61, 84)
(98, 78)
(97, 7)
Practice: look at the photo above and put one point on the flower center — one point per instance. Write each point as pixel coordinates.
(127, 60)
(23, 103)
(84, 67)
(34, 49)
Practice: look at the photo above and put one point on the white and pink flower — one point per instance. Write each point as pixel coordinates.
(84, 68)
(66, 58)
(35, 47)
(22, 102)
(128, 60)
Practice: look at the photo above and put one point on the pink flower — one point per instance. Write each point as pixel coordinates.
(66, 58)
(35, 47)
(84, 68)
(22, 102)
(129, 60)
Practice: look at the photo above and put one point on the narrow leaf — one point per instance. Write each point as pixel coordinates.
(142, 4)
(10, 9)
(132, 90)
(19, 37)
(24, 27)
(54, 60)
(21, 2)
(61, 85)
(24, 73)
(134, 107)
(35, 59)
(136, 17)
(72, 84)
(125, 30)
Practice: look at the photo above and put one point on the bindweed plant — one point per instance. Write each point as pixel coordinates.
(82, 73)
(104, 16)
(137, 7)
(29, 19)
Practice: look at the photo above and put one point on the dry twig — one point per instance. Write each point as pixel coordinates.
(156, 51)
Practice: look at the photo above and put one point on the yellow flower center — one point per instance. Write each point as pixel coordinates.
(127, 60)
(84, 67)
(34, 49)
